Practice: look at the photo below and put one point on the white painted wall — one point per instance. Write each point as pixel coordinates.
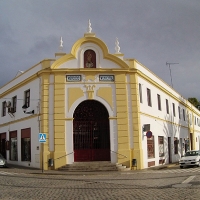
(163, 124)
(35, 154)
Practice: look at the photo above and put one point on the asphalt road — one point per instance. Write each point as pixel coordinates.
(173, 183)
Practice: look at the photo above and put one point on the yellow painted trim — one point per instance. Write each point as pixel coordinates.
(106, 94)
(44, 65)
(31, 78)
(73, 95)
(70, 119)
(163, 120)
(112, 118)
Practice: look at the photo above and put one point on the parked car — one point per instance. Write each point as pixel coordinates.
(3, 162)
(191, 158)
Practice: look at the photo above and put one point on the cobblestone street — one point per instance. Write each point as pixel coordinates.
(141, 185)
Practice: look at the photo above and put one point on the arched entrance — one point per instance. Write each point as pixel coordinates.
(91, 133)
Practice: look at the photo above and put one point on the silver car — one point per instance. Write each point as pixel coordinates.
(3, 162)
(191, 158)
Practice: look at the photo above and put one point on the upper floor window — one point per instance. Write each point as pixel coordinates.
(167, 106)
(174, 112)
(4, 108)
(159, 102)
(14, 103)
(27, 98)
(179, 112)
(89, 59)
(140, 91)
(149, 97)
(184, 114)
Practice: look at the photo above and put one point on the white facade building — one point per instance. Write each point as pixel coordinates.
(94, 106)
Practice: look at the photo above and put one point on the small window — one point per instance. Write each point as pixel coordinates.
(179, 112)
(183, 114)
(140, 91)
(159, 102)
(27, 98)
(14, 104)
(176, 141)
(149, 97)
(13, 146)
(174, 112)
(195, 121)
(150, 147)
(26, 144)
(3, 108)
(167, 106)
(161, 146)
(89, 59)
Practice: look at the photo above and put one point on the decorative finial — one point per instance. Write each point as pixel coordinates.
(89, 26)
(117, 48)
(61, 44)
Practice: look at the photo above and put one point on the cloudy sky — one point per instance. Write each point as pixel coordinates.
(151, 31)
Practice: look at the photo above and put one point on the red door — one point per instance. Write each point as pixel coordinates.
(91, 132)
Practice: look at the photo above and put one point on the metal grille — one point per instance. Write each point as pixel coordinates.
(91, 132)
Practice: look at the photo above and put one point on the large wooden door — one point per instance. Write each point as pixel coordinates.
(91, 133)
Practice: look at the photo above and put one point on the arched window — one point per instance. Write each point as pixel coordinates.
(89, 59)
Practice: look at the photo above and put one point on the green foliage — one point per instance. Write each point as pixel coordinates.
(194, 101)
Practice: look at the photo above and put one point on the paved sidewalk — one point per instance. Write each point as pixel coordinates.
(28, 170)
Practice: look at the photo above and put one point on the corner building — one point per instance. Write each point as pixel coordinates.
(94, 106)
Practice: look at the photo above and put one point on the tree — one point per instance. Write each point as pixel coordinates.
(194, 101)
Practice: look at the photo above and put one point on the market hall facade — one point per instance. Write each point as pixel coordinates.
(94, 106)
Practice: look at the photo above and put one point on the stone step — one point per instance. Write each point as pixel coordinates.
(93, 166)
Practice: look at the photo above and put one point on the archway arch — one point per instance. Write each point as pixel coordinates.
(91, 133)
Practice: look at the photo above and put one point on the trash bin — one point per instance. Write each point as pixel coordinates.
(50, 162)
(134, 163)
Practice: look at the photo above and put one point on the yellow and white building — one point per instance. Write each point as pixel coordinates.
(94, 106)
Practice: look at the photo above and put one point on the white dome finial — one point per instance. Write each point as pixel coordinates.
(117, 48)
(89, 26)
(61, 44)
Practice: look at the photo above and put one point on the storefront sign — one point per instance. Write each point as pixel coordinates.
(73, 78)
(106, 78)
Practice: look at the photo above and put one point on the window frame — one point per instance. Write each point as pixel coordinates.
(167, 106)
(27, 98)
(140, 93)
(159, 102)
(174, 111)
(13, 149)
(150, 147)
(14, 104)
(3, 114)
(26, 138)
(176, 142)
(179, 112)
(149, 102)
(161, 146)
(183, 114)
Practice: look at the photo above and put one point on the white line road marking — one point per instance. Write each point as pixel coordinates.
(188, 179)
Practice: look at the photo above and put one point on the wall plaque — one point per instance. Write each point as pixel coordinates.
(73, 78)
(106, 78)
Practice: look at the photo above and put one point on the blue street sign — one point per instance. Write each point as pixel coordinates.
(42, 137)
